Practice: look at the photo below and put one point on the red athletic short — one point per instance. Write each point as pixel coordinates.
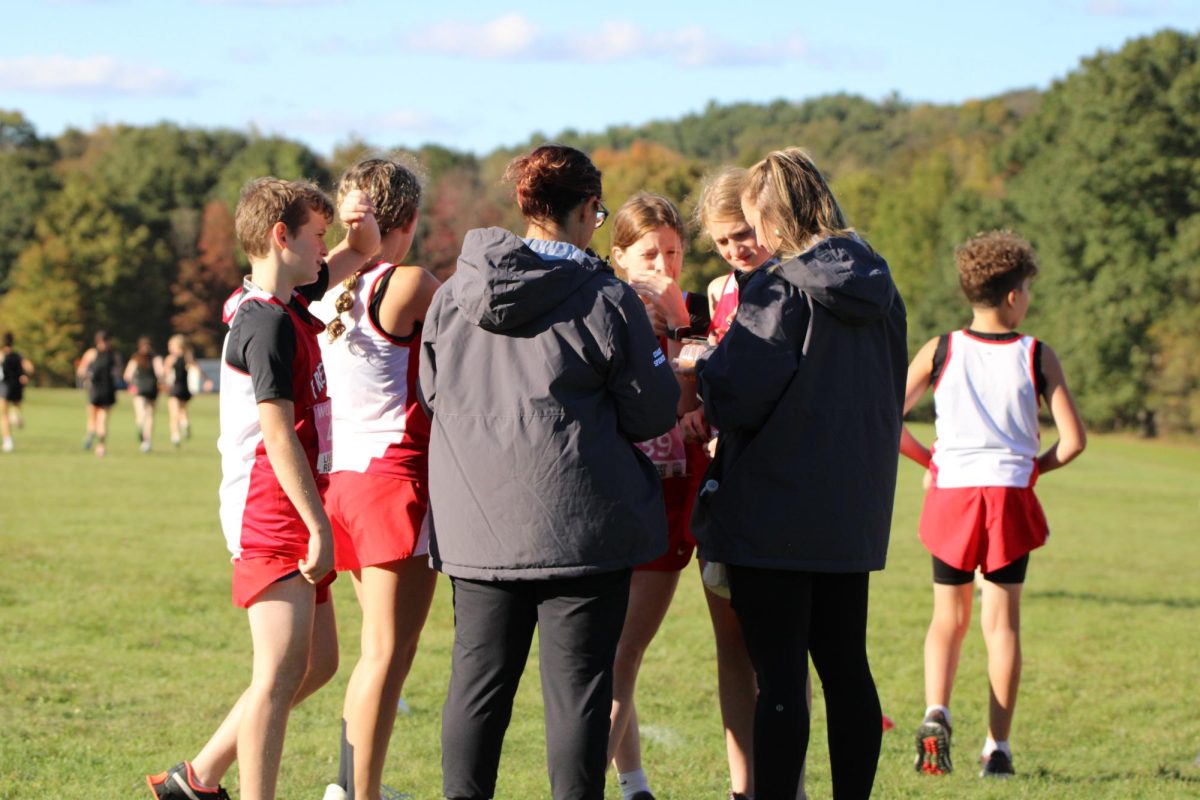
(982, 526)
(252, 575)
(377, 519)
(679, 494)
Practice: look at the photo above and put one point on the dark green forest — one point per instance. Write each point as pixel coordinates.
(131, 228)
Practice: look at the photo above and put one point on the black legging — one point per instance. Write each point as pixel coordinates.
(785, 616)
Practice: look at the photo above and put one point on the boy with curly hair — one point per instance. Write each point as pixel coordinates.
(980, 508)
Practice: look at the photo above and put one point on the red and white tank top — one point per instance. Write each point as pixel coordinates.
(986, 402)
(270, 352)
(725, 308)
(379, 426)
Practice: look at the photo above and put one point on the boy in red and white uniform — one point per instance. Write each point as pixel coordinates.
(980, 509)
(275, 453)
(378, 497)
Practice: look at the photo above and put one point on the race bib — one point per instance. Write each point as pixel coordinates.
(667, 453)
(323, 418)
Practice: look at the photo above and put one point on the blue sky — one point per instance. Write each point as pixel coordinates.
(477, 75)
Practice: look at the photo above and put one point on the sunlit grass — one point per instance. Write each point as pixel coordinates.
(120, 650)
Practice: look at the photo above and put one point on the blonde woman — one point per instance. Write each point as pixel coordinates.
(177, 369)
(809, 379)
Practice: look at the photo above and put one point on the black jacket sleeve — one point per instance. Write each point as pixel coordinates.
(742, 380)
(640, 377)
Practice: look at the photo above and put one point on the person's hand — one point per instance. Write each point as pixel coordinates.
(927, 480)
(658, 320)
(357, 213)
(661, 293)
(319, 561)
(694, 427)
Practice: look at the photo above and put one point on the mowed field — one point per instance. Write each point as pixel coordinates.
(120, 650)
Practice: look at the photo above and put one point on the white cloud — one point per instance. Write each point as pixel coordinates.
(513, 37)
(95, 75)
(510, 36)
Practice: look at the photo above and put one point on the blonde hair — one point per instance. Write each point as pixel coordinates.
(721, 197)
(266, 201)
(394, 186)
(181, 342)
(643, 213)
(395, 189)
(794, 200)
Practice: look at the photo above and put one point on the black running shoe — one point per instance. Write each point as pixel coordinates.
(997, 765)
(933, 745)
(179, 783)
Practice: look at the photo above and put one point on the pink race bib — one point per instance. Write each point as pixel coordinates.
(323, 418)
(668, 453)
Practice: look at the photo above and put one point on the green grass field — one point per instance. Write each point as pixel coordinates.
(120, 650)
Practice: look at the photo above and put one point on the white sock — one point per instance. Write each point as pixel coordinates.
(633, 782)
(945, 711)
(990, 745)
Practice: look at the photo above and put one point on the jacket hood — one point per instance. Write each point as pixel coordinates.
(502, 284)
(845, 276)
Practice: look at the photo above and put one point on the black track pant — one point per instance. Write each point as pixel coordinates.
(579, 622)
(785, 616)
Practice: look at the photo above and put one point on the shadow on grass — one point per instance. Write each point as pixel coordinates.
(1113, 600)
(1189, 776)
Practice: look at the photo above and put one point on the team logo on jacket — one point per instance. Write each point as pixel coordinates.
(659, 358)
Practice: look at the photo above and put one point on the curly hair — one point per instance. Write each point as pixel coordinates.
(552, 180)
(394, 186)
(992, 264)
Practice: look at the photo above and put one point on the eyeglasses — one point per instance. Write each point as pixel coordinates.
(601, 213)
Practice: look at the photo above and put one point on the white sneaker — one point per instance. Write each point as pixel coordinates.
(144, 447)
(7, 447)
(334, 792)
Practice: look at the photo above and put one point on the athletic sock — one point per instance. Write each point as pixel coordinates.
(945, 713)
(990, 745)
(633, 782)
(346, 765)
(195, 782)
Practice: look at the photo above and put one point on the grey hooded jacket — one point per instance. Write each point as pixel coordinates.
(807, 390)
(539, 376)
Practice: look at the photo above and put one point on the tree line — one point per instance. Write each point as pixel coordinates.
(131, 228)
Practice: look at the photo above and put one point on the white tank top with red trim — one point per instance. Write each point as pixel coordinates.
(986, 402)
(378, 425)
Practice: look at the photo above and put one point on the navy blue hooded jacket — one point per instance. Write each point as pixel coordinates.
(807, 391)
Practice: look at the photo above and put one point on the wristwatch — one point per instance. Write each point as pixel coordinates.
(680, 333)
